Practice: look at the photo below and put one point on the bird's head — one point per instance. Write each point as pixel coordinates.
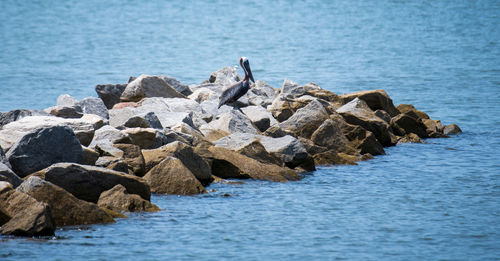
(245, 65)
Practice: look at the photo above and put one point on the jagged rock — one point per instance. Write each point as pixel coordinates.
(332, 157)
(118, 199)
(306, 120)
(66, 100)
(311, 148)
(287, 148)
(145, 138)
(177, 85)
(133, 158)
(3, 158)
(93, 105)
(375, 99)
(65, 208)
(43, 147)
(451, 129)
(329, 135)
(183, 128)
(334, 99)
(28, 217)
(148, 86)
(362, 139)
(275, 131)
(110, 93)
(408, 108)
(131, 117)
(105, 137)
(292, 89)
(261, 94)
(88, 182)
(90, 156)
(383, 115)
(410, 138)
(6, 174)
(68, 112)
(357, 112)
(170, 176)
(404, 124)
(225, 76)
(83, 128)
(173, 135)
(260, 117)
(14, 115)
(248, 145)
(230, 122)
(176, 105)
(433, 126)
(185, 153)
(230, 164)
(283, 108)
(204, 94)
(113, 163)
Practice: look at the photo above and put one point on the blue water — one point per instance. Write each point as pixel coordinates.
(434, 201)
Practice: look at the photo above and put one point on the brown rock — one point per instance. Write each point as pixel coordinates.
(404, 124)
(363, 140)
(66, 209)
(132, 156)
(410, 109)
(170, 176)
(375, 99)
(331, 157)
(118, 199)
(410, 138)
(306, 120)
(330, 135)
(90, 156)
(145, 138)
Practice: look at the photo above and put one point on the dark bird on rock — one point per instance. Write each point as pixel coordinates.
(235, 91)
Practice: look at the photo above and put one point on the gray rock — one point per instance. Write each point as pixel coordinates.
(330, 135)
(66, 100)
(88, 182)
(230, 122)
(44, 147)
(287, 148)
(204, 94)
(14, 115)
(178, 105)
(148, 86)
(93, 105)
(261, 94)
(248, 145)
(306, 120)
(451, 129)
(145, 138)
(68, 112)
(105, 137)
(292, 89)
(260, 117)
(375, 99)
(225, 76)
(4, 159)
(178, 86)
(110, 93)
(133, 117)
(118, 199)
(6, 174)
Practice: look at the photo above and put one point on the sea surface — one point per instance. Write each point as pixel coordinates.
(433, 201)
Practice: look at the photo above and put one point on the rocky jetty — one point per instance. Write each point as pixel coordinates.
(88, 161)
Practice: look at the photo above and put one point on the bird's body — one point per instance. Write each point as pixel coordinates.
(235, 91)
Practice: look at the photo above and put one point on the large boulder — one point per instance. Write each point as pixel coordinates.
(66, 209)
(176, 106)
(6, 174)
(14, 115)
(452, 129)
(410, 109)
(306, 120)
(404, 124)
(225, 76)
(146, 138)
(93, 105)
(230, 164)
(69, 112)
(248, 145)
(287, 148)
(148, 86)
(3, 158)
(133, 158)
(375, 99)
(177, 85)
(105, 137)
(357, 112)
(88, 182)
(330, 135)
(44, 147)
(261, 94)
(27, 217)
(170, 176)
(260, 117)
(283, 107)
(118, 199)
(131, 117)
(231, 122)
(110, 93)
(185, 153)
(363, 140)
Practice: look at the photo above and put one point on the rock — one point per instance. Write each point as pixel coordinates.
(118, 199)
(275, 131)
(133, 158)
(231, 122)
(248, 145)
(113, 163)
(43, 147)
(65, 208)
(204, 94)
(83, 128)
(383, 115)
(261, 94)
(325, 95)
(292, 89)
(375, 99)
(131, 117)
(122, 105)
(311, 148)
(229, 164)
(451, 129)
(225, 76)
(66, 100)
(408, 108)
(173, 135)
(287, 148)
(90, 156)
(105, 137)
(363, 140)
(15, 115)
(110, 93)
(68, 112)
(170, 176)
(331, 157)
(403, 124)
(185, 153)
(410, 138)
(148, 86)
(357, 112)
(6, 174)
(145, 138)
(330, 135)
(3, 159)
(260, 117)
(306, 120)
(28, 217)
(184, 128)
(177, 85)
(88, 182)
(433, 126)
(93, 105)
(177, 105)
(283, 108)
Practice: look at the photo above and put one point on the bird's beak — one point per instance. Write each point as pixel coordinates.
(249, 71)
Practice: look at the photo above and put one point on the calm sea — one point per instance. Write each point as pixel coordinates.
(434, 201)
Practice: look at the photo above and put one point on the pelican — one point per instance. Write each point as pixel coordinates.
(235, 91)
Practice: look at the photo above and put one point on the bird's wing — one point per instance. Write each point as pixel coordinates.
(230, 94)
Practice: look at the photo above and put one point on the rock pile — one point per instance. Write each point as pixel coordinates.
(84, 162)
